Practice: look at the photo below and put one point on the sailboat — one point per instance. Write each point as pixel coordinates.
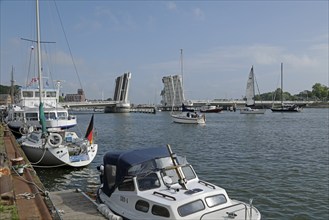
(285, 107)
(56, 147)
(186, 116)
(250, 95)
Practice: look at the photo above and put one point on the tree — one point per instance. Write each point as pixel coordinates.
(320, 91)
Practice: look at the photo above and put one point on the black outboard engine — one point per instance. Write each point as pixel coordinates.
(100, 168)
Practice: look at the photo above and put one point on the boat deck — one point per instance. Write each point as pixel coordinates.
(75, 204)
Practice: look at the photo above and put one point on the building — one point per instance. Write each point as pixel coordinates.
(79, 97)
(172, 93)
(5, 99)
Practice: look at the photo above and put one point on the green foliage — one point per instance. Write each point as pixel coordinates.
(7, 89)
(8, 212)
(61, 99)
(320, 91)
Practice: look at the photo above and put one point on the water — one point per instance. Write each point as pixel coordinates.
(280, 160)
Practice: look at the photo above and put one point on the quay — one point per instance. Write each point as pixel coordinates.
(143, 109)
(23, 196)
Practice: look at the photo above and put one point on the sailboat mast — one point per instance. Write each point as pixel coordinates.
(281, 84)
(41, 111)
(39, 50)
(181, 66)
(12, 85)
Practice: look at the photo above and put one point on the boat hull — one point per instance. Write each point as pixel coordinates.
(56, 157)
(252, 111)
(183, 119)
(287, 109)
(70, 151)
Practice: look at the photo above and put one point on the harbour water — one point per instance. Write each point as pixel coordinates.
(280, 160)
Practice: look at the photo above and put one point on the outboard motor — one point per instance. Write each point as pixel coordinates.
(100, 168)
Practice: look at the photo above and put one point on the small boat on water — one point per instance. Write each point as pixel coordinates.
(210, 109)
(250, 96)
(188, 118)
(155, 183)
(285, 107)
(187, 115)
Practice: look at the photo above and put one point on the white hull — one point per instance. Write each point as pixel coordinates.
(184, 119)
(243, 211)
(54, 123)
(252, 111)
(41, 154)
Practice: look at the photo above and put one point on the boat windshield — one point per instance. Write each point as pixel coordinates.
(173, 176)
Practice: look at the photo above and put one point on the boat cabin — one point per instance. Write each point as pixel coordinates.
(147, 184)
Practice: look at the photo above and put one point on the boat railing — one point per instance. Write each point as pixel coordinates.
(231, 214)
(164, 195)
(207, 184)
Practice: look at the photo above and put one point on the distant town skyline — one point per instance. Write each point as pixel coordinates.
(221, 40)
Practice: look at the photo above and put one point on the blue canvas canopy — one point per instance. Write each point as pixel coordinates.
(132, 162)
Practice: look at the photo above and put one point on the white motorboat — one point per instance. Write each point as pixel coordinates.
(154, 183)
(189, 118)
(25, 113)
(250, 96)
(248, 110)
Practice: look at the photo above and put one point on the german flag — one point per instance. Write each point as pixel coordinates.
(90, 130)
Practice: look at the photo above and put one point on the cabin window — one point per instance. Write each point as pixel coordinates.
(37, 94)
(110, 173)
(61, 115)
(142, 206)
(31, 116)
(160, 211)
(18, 116)
(50, 115)
(215, 200)
(27, 93)
(187, 170)
(150, 181)
(191, 208)
(51, 94)
(127, 185)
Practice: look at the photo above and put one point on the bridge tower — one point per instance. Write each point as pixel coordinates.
(120, 95)
(172, 93)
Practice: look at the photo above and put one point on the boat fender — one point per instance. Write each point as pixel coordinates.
(106, 212)
(24, 130)
(54, 140)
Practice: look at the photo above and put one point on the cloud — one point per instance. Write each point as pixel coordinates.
(171, 6)
(198, 14)
(89, 24)
(63, 59)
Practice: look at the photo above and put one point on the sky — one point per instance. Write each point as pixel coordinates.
(97, 41)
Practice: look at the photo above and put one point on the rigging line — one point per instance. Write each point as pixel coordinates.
(261, 100)
(75, 67)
